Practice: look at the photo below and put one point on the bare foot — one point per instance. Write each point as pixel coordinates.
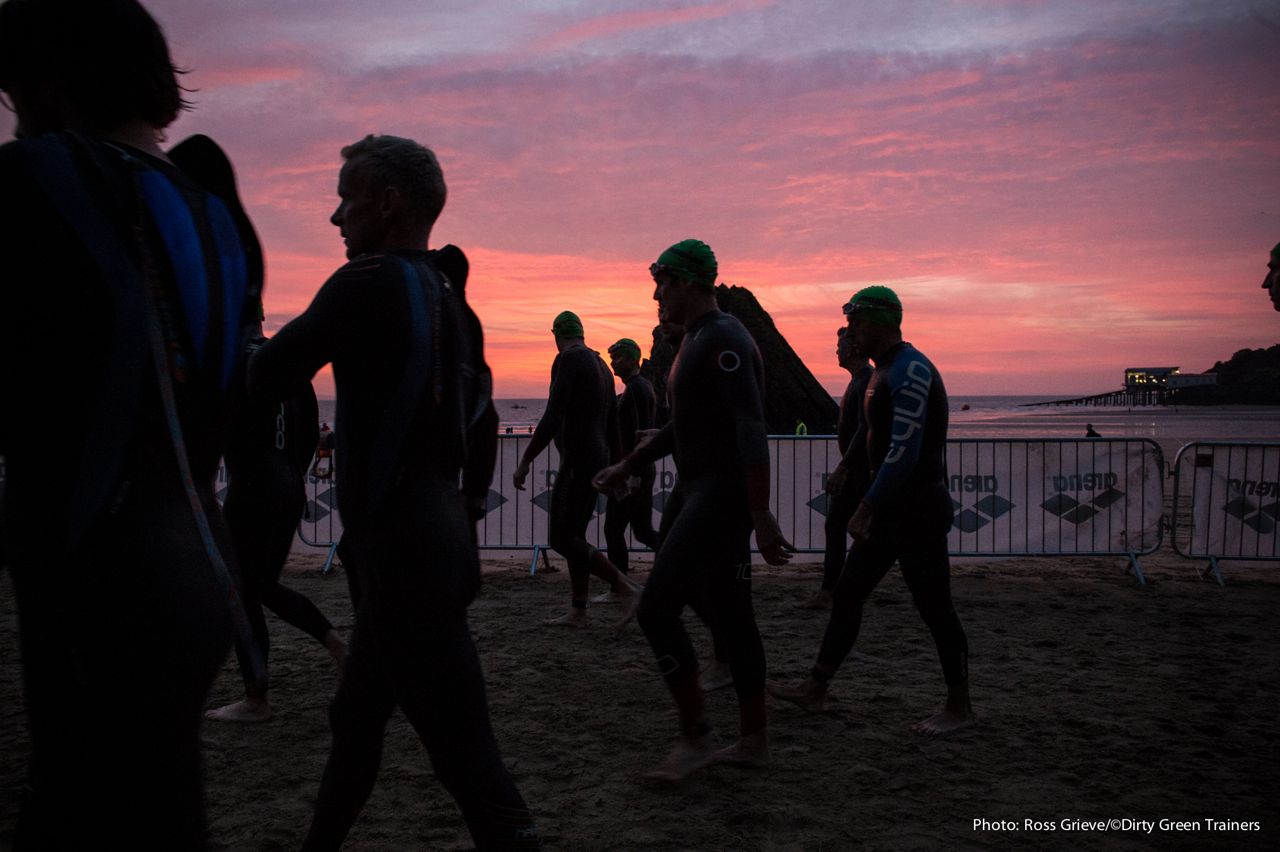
(606, 598)
(336, 648)
(630, 598)
(245, 710)
(820, 600)
(687, 757)
(715, 675)
(809, 696)
(573, 618)
(749, 752)
(944, 722)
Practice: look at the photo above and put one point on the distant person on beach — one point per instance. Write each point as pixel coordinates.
(844, 492)
(115, 386)
(1089, 432)
(637, 408)
(1272, 282)
(268, 450)
(717, 434)
(322, 467)
(581, 418)
(408, 362)
(905, 514)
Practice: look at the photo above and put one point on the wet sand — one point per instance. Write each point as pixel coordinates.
(1098, 699)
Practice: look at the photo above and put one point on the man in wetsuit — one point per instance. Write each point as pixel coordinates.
(124, 302)
(581, 417)
(717, 432)
(637, 407)
(1272, 282)
(843, 493)
(268, 452)
(408, 363)
(906, 512)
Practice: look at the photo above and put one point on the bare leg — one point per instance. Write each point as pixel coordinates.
(957, 713)
(336, 647)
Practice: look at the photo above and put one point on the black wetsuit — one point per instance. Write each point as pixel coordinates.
(717, 433)
(905, 432)
(269, 450)
(406, 545)
(841, 506)
(124, 624)
(581, 417)
(637, 406)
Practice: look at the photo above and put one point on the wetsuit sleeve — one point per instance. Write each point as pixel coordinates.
(556, 410)
(909, 383)
(311, 340)
(739, 386)
(627, 421)
(612, 429)
(646, 404)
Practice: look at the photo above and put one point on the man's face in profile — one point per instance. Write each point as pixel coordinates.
(360, 216)
(622, 363)
(1272, 282)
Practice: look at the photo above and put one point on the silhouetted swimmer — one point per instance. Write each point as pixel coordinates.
(408, 363)
(717, 434)
(843, 493)
(581, 417)
(138, 297)
(637, 408)
(905, 514)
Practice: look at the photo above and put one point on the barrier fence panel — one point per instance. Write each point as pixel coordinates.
(1034, 497)
(1011, 498)
(1226, 502)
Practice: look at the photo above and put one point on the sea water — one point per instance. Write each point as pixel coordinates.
(1016, 417)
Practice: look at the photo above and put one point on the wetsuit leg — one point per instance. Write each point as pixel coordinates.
(358, 716)
(616, 518)
(640, 512)
(927, 570)
(665, 596)
(864, 567)
(167, 617)
(296, 609)
(573, 502)
(836, 527)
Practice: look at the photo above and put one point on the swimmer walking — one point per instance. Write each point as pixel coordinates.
(717, 432)
(904, 516)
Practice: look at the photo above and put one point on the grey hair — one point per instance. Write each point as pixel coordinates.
(408, 166)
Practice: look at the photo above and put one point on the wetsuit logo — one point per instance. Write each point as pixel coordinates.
(1259, 517)
(910, 404)
(729, 361)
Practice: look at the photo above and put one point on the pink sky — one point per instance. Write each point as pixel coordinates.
(1056, 189)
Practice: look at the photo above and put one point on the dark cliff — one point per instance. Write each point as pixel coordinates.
(1250, 377)
(791, 391)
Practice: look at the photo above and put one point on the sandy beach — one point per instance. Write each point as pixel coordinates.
(1099, 699)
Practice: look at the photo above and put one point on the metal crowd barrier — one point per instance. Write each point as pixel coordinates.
(1226, 502)
(1026, 497)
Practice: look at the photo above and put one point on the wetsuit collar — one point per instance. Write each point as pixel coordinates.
(702, 320)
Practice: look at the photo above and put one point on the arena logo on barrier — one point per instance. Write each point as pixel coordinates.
(1075, 511)
(319, 508)
(985, 510)
(1259, 517)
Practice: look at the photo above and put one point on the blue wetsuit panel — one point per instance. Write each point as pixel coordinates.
(181, 239)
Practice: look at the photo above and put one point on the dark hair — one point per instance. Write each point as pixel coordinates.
(407, 165)
(108, 58)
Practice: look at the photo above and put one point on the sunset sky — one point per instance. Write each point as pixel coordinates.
(1057, 190)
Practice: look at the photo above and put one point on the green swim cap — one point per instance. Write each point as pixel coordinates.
(882, 306)
(628, 346)
(567, 326)
(692, 260)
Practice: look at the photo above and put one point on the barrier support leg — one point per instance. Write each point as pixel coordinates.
(1136, 568)
(328, 561)
(533, 566)
(1213, 569)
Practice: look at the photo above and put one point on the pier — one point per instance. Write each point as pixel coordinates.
(1128, 398)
